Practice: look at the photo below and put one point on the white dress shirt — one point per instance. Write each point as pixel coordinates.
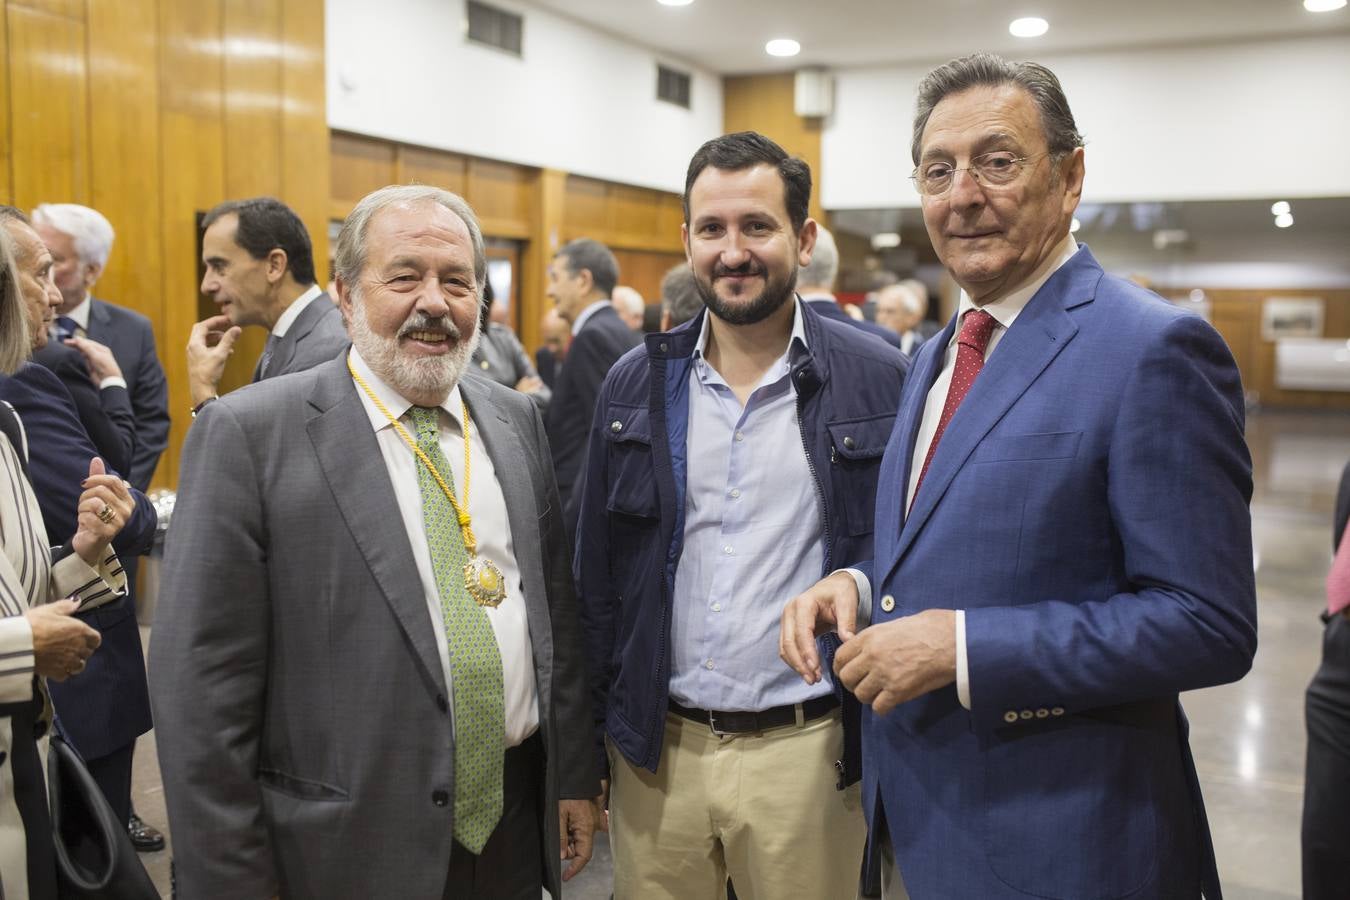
(292, 312)
(491, 525)
(1005, 311)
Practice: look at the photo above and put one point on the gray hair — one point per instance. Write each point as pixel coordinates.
(349, 258)
(88, 229)
(986, 69)
(679, 294)
(628, 298)
(594, 257)
(914, 303)
(14, 341)
(823, 268)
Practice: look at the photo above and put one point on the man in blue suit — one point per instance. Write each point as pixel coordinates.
(1063, 542)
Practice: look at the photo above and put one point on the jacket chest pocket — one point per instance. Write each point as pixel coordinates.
(632, 480)
(856, 448)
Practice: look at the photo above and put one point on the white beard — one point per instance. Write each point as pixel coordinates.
(406, 373)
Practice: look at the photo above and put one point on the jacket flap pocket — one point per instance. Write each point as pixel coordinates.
(861, 438)
(300, 788)
(624, 424)
(1010, 447)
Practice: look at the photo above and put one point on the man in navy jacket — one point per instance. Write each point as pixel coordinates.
(731, 462)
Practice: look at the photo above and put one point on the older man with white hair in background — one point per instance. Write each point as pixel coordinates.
(370, 683)
(900, 309)
(815, 285)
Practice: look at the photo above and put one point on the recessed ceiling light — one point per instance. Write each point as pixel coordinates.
(782, 47)
(1029, 27)
(885, 241)
(1280, 209)
(674, 2)
(1284, 220)
(1323, 5)
(1074, 226)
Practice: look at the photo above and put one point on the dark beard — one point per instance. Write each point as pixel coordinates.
(770, 300)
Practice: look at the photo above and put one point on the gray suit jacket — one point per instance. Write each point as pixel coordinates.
(300, 706)
(316, 336)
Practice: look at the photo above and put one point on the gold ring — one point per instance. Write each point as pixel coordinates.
(105, 515)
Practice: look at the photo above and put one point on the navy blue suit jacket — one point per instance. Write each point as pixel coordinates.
(1088, 508)
(106, 706)
(595, 348)
(830, 309)
(131, 339)
(105, 413)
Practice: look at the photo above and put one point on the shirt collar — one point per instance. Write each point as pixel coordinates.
(81, 312)
(780, 366)
(292, 312)
(1006, 309)
(397, 405)
(587, 313)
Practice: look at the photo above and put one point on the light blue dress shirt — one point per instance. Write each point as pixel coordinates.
(754, 538)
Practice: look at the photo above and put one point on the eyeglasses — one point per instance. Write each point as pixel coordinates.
(997, 169)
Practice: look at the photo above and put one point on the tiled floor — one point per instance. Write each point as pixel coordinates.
(1247, 737)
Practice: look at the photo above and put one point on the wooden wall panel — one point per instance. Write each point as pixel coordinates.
(359, 166)
(70, 9)
(304, 123)
(500, 194)
(125, 158)
(417, 165)
(49, 116)
(586, 210)
(644, 269)
(6, 184)
(764, 103)
(251, 32)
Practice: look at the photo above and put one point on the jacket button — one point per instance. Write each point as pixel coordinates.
(440, 798)
(616, 426)
(1010, 716)
(887, 603)
(441, 704)
(661, 346)
(849, 443)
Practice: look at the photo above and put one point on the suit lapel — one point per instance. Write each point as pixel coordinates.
(284, 351)
(99, 321)
(345, 445)
(1042, 330)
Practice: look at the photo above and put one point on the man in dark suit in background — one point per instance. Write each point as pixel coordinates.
(106, 707)
(815, 285)
(260, 271)
(80, 240)
(129, 424)
(580, 279)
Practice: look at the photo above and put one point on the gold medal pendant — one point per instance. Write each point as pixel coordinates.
(485, 582)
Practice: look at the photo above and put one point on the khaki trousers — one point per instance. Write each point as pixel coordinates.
(761, 808)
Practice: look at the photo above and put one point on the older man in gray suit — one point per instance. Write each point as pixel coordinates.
(370, 681)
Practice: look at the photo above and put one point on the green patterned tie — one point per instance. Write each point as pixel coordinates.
(475, 659)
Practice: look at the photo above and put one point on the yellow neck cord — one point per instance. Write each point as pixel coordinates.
(461, 507)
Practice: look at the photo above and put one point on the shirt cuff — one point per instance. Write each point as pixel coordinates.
(864, 617)
(112, 381)
(73, 577)
(962, 664)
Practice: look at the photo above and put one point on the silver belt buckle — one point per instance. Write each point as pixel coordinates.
(712, 724)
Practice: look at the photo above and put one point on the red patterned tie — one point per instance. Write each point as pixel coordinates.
(976, 328)
(1338, 579)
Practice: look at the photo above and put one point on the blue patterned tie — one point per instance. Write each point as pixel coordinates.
(475, 659)
(66, 327)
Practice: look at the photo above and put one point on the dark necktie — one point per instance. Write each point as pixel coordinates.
(265, 360)
(1338, 579)
(976, 328)
(66, 327)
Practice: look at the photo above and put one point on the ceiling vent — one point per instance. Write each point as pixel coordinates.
(672, 86)
(495, 27)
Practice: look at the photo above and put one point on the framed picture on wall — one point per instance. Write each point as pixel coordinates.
(1292, 317)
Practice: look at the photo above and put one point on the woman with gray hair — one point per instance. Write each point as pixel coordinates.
(39, 638)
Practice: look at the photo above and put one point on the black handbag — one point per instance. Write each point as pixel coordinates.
(94, 856)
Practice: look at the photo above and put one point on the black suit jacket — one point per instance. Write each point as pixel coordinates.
(106, 706)
(599, 344)
(131, 339)
(830, 310)
(105, 413)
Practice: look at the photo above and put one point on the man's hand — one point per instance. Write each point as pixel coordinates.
(899, 660)
(576, 831)
(831, 602)
(103, 510)
(209, 347)
(61, 643)
(98, 357)
(602, 807)
(530, 384)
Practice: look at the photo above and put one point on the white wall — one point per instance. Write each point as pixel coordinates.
(1223, 121)
(579, 100)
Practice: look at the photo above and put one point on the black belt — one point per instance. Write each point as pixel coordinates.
(745, 722)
